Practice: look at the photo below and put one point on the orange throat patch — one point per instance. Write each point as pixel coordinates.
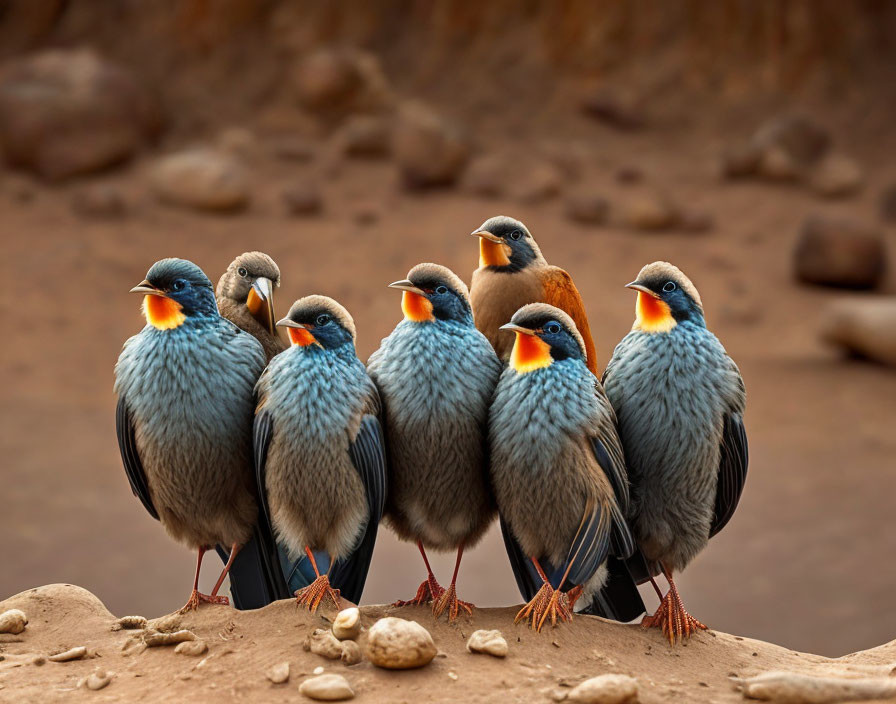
(652, 314)
(416, 307)
(493, 253)
(162, 313)
(300, 337)
(530, 353)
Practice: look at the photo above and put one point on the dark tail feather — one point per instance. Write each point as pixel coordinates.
(350, 575)
(619, 598)
(526, 578)
(255, 576)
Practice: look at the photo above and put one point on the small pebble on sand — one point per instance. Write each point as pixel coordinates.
(13, 621)
(327, 688)
(278, 674)
(70, 654)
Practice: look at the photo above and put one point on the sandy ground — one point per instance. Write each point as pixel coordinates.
(243, 646)
(806, 562)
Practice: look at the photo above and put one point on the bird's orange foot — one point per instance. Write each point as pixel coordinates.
(573, 595)
(312, 595)
(674, 620)
(196, 598)
(429, 591)
(448, 600)
(548, 602)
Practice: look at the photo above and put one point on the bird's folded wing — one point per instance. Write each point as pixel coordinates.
(609, 456)
(733, 460)
(560, 291)
(527, 579)
(591, 544)
(133, 467)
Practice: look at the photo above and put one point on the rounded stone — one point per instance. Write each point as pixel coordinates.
(327, 688)
(396, 644)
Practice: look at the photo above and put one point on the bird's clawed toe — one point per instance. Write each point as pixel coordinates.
(674, 620)
(448, 600)
(547, 603)
(429, 591)
(197, 598)
(312, 595)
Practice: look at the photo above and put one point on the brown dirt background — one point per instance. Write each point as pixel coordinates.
(808, 560)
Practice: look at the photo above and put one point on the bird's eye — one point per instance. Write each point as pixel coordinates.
(322, 319)
(552, 328)
(242, 272)
(178, 284)
(669, 286)
(516, 234)
(441, 289)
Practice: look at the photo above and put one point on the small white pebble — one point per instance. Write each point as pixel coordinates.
(278, 674)
(193, 648)
(329, 688)
(71, 654)
(317, 670)
(452, 675)
(347, 624)
(97, 680)
(490, 642)
(13, 621)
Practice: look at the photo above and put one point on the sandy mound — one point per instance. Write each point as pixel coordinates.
(243, 646)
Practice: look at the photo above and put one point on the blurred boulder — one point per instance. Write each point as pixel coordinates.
(864, 327)
(776, 164)
(740, 161)
(99, 202)
(303, 199)
(202, 179)
(365, 136)
(649, 210)
(888, 204)
(486, 176)
(839, 252)
(429, 150)
(537, 182)
(614, 110)
(69, 112)
(836, 176)
(802, 139)
(340, 81)
(587, 207)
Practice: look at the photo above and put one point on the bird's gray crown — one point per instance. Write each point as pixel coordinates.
(428, 276)
(307, 310)
(656, 274)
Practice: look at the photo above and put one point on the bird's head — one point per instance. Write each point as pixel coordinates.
(250, 280)
(432, 292)
(506, 245)
(319, 320)
(174, 290)
(666, 297)
(544, 335)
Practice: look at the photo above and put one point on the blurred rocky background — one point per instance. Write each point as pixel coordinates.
(750, 142)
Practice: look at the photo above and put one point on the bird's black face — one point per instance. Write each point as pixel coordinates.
(663, 302)
(541, 339)
(316, 324)
(505, 244)
(174, 290)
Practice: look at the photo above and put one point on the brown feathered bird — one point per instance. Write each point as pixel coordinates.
(513, 272)
(245, 296)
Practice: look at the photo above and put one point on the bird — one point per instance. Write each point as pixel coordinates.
(557, 467)
(513, 272)
(319, 453)
(679, 400)
(184, 415)
(436, 374)
(245, 296)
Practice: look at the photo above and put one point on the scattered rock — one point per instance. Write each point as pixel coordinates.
(69, 112)
(798, 137)
(71, 654)
(341, 81)
(39, 660)
(327, 688)
(347, 624)
(649, 210)
(167, 624)
(839, 252)
(614, 110)
(322, 642)
(97, 680)
(202, 178)
(538, 183)
(485, 176)
(100, 202)
(154, 640)
(792, 688)
(319, 670)
(303, 199)
(192, 648)
(351, 653)
(836, 176)
(278, 674)
(428, 150)
(740, 161)
(490, 642)
(365, 136)
(587, 207)
(888, 204)
(864, 327)
(605, 689)
(13, 621)
(131, 622)
(396, 644)
(775, 164)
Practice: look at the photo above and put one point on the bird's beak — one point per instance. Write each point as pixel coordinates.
(407, 285)
(486, 235)
(261, 302)
(638, 286)
(147, 288)
(513, 327)
(290, 323)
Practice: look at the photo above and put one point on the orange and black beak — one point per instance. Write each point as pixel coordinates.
(513, 327)
(147, 288)
(638, 286)
(299, 333)
(407, 285)
(486, 235)
(261, 303)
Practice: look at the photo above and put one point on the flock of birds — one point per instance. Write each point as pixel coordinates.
(284, 458)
